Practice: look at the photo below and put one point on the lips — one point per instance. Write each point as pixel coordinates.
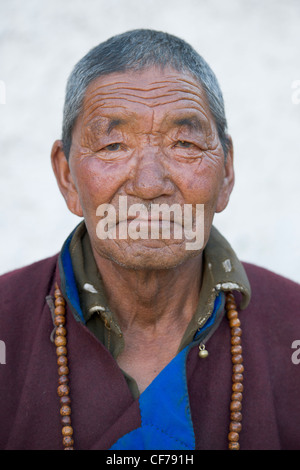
(150, 219)
(170, 217)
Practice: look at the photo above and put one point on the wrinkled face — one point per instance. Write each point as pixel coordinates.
(148, 136)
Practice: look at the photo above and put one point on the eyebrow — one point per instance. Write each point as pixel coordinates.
(115, 123)
(192, 123)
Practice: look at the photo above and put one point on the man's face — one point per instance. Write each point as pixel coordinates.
(148, 136)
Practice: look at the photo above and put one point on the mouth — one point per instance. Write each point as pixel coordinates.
(149, 228)
(154, 221)
(152, 224)
(161, 219)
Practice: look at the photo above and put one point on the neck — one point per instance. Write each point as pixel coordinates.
(146, 299)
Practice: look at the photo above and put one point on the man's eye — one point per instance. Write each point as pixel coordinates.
(183, 144)
(113, 147)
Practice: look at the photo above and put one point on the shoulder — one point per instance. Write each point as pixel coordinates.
(265, 283)
(271, 329)
(274, 305)
(28, 282)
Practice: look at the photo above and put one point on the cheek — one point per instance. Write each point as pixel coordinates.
(97, 182)
(200, 185)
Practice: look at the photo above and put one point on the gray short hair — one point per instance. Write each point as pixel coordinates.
(137, 50)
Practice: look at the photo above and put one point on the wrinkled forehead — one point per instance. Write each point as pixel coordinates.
(133, 95)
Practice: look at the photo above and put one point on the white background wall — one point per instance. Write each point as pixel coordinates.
(254, 48)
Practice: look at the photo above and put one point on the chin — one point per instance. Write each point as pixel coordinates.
(145, 255)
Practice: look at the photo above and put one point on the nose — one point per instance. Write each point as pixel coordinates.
(150, 178)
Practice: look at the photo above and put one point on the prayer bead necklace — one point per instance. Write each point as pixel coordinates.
(63, 389)
(237, 373)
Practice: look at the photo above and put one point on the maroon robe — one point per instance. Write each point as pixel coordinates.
(103, 408)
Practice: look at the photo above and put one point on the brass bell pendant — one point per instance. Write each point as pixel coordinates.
(203, 353)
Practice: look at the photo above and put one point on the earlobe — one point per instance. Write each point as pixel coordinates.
(228, 180)
(64, 178)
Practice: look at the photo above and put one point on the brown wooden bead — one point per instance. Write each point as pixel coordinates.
(68, 441)
(65, 410)
(238, 368)
(230, 305)
(66, 420)
(237, 378)
(235, 340)
(59, 301)
(63, 370)
(61, 331)
(63, 379)
(233, 436)
(236, 416)
(236, 331)
(236, 396)
(234, 323)
(65, 400)
(232, 314)
(59, 320)
(235, 406)
(62, 360)
(63, 390)
(237, 387)
(237, 349)
(57, 293)
(59, 310)
(61, 351)
(234, 446)
(235, 426)
(60, 341)
(67, 431)
(238, 359)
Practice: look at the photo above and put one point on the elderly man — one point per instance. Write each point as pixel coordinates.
(130, 338)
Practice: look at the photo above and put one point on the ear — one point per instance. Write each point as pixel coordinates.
(228, 180)
(64, 178)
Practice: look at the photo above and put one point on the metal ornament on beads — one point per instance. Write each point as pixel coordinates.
(203, 353)
(235, 425)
